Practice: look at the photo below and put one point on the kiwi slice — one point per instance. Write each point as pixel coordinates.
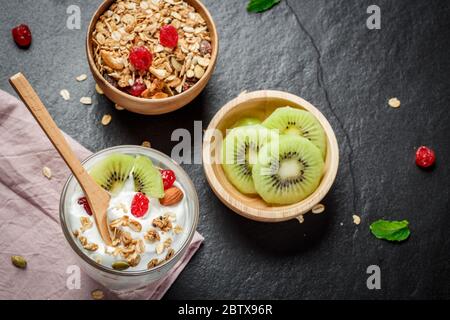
(240, 153)
(112, 171)
(289, 174)
(147, 178)
(293, 121)
(246, 122)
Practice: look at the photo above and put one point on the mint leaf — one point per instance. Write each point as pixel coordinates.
(261, 5)
(390, 230)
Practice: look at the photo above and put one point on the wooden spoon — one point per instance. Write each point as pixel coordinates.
(97, 197)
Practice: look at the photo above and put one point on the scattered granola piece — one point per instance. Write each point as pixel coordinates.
(318, 208)
(106, 119)
(356, 219)
(91, 246)
(301, 219)
(86, 223)
(170, 254)
(178, 229)
(47, 172)
(97, 294)
(134, 260)
(152, 236)
(167, 243)
(135, 226)
(394, 102)
(152, 263)
(98, 89)
(118, 107)
(86, 100)
(65, 94)
(146, 144)
(162, 223)
(159, 248)
(81, 77)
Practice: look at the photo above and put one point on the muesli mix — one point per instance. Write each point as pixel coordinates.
(152, 49)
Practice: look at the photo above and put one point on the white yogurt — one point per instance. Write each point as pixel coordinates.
(117, 203)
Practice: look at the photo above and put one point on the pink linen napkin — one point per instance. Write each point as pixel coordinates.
(29, 222)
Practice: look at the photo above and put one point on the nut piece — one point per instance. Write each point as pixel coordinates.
(172, 196)
(152, 236)
(47, 172)
(97, 294)
(152, 263)
(110, 61)
(86, 223)
(135, 226)
(120, 265)
(19, 262)
(394, 102)
(81, 77)
(65, 94)
(146, 144)
(106, 119)
(318, 208)
(356, 219)
(86, 100)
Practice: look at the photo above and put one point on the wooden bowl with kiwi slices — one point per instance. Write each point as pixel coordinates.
(270, 156)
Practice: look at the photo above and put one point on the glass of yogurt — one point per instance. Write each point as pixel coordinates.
(149, 233)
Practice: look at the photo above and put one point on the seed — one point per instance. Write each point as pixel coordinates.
(120, 265)
(394, 102)
(356, 219)
(97, 294)
(86, 100)
(118, 107)
(318, 208)
(19, 262)
(47, 172)
(146, 144)
(199, 71)
(65, 94)
(98, 89)
(190, 74)
(81, 77)
(106, 119)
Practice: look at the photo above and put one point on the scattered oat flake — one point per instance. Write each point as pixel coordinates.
(86, 100)
(394, 102)
(47, 172)
(301, 219)
(65, 94)
(97, 294)
(98, 89)
(318, 208)
(118, 107)
(81, 77)
(356, 219)
(159, 248)
(146, 144)
(106, 119)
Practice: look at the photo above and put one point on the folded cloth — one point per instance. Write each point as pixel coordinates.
(29, 222)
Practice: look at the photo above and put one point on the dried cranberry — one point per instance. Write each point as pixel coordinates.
(205, 47)
(22, 35)
(168, 36)
(139, 205)
(141, 58)
(83, 202)
(137, 88)
(425, 157)
(187, 85)
(168, 177)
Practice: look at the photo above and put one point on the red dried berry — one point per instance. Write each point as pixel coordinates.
(83, 202)
(139, 205)
(168, 36)
(168, 177)
(137, 88)
(141, 58)
(425, 157)
(22, 35)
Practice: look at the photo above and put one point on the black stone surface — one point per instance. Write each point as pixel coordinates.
(322, 51)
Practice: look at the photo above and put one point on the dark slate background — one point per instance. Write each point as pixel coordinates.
(322, 51)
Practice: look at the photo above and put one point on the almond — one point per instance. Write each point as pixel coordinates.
(172, 196)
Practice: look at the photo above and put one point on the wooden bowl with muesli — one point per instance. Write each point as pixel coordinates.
(153, 56)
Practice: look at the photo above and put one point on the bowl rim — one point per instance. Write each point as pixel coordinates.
(90, 57)
(286, 212)
(97, 266)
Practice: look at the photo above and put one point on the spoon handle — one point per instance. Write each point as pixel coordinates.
(98, 198)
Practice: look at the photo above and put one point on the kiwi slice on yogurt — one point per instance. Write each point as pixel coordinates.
(147, 178)
(292, 121)
(112, 171)
(240, 152)
(289, 173)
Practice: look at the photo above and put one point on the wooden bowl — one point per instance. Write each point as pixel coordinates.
(261, 104)
(153, 106)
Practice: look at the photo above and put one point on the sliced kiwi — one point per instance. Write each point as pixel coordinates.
(246, 122)
(147, 178)
(112, 171)
(240, 153)
(293, 121)
(289, 174)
